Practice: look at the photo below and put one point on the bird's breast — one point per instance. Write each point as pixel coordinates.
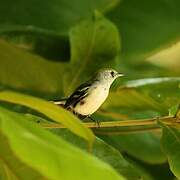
(96, 96)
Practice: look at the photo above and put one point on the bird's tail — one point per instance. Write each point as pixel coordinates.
(59, 102)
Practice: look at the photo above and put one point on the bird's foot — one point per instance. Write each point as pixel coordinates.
(96, 121)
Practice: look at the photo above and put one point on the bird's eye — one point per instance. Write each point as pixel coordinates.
(112, 73)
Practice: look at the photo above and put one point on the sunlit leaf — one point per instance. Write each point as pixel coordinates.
(50, 110)
(104, 152)
(11, 167)
(48, 154)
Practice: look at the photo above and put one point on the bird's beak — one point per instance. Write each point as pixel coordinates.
(120, 74)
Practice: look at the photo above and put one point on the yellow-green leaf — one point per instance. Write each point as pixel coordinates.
(49, 154)
(52, 111)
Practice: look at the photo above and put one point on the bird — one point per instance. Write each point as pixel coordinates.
(90, 95)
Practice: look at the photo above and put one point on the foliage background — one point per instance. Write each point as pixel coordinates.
(47, 48)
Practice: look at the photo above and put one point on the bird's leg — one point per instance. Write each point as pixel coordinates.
(82, 117)
(96, 121)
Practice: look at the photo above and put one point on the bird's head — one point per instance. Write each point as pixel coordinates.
(107, 75)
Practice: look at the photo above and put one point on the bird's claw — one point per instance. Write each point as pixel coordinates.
(96, 122)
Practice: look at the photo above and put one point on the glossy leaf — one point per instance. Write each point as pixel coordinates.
(133, 99)
(171, 147)
(141, 169)
(143, 146)
(164, 90)
(48, 154)
(139, 99)
(157, 94)
(50, 110)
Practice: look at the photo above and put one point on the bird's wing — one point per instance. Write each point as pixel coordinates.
(79, 94)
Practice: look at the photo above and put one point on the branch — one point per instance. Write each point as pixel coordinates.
(174, 121)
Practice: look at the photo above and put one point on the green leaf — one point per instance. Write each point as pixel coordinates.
(112, 156)
(173, 111)
(143, 98)
(50, 155)
(144, 146)
(151, 81)
(131, 99)
(48, 36)
(95, 44)
(141, 168)
(104, 152)
(151, 172)
(26, 72)
(157, 94)
(52, 111)
(49, 16)
(48, 45)
(178, 113)
(171, 147)
(146, 27)
(11, 167)
(100, 149)
(164, 90)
